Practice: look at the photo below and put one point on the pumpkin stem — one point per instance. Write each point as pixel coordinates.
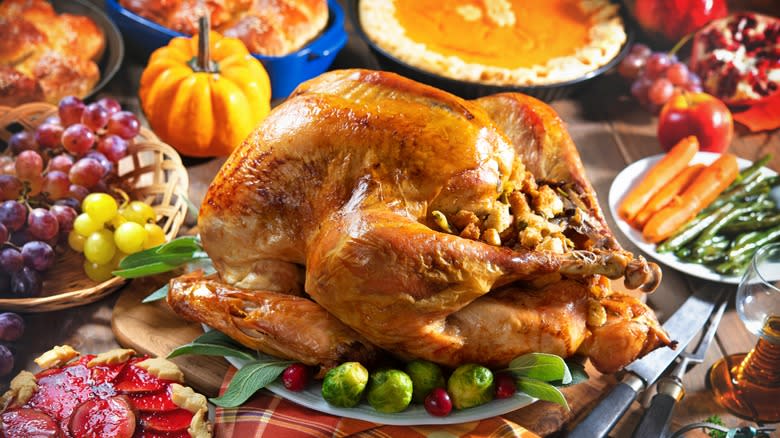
(203, 42)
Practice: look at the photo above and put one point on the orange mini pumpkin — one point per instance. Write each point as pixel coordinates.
(204, 105)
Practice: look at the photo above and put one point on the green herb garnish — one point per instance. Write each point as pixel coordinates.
(163, 258)
(252, 377)
(214, 343)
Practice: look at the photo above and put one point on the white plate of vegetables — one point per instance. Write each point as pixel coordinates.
(727, 229)
(311, 396)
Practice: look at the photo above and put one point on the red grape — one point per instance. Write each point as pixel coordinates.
(42, 224)
(56, 184)
(3, 234)
(641, 50)
(48, 135)
(438, 403)
(661, 90)
(71, 202)
(86, 172)
(13, 215)
(53, 120)
(26, 283)
(295, 377)
(36, 184)
(639, 89)
(95, 116)
(78, 192)
(65, 215)
(656, 65)
(6, 363)
(70, 110)
(505, 386)
(62, 163)
(11, 260)
(111, 105)
(38, 255)
(631, 66)
(124, 124)
(113, 147)
(108, 166)
(22, 141)
(692, 87)
(11, 326)
(677, 74)
(21, 237)
(78, 138)
(693, 78)
(10, 187)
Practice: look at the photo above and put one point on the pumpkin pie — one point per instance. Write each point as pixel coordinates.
(501, 42)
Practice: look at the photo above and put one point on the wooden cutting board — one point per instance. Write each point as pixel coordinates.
(155, 329)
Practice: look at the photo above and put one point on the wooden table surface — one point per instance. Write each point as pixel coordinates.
(610, 131)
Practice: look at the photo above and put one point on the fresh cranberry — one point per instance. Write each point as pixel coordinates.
(295, 377)
(505, 386)
(438, 403)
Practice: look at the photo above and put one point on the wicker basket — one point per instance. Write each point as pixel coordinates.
(151, 172)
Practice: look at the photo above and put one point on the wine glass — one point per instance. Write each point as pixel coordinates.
(748, 384)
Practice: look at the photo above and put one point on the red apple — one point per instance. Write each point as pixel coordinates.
(676, 18)
(697, 114)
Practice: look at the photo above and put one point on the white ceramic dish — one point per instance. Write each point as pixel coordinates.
(414, 415)
(632, 174)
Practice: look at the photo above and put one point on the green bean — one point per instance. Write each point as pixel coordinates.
(755, 223)
(692, 229)
(715, 251)
(739, 255)
(749, 171)
(705, 238)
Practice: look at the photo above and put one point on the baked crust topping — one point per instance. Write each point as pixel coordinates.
(162, 369)
(499, 42)
(112, 357)
(59, 355)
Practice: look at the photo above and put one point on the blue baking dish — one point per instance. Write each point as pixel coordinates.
(286, 72)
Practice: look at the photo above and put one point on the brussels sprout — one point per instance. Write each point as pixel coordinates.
(425, 376)
(470, 385)
(389, 391)
(343, 386)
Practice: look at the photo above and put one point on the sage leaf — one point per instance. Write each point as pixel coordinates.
(159, 294)
(248, 380)
(541, 366)
(542, 391)
(163, 258)
(578, 374)
(213, 343)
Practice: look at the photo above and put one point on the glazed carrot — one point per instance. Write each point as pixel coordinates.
(658, 176)
(703, 190)
(666, 194)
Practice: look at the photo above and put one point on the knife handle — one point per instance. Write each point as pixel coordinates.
(656, 418)
(606, 414)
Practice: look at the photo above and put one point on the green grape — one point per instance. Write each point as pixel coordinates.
(76, 241)
(118, 220)
(85, 225)
(129, 237)
(99, 247)
(97, 272)
(155, 236)
(139, 212)
(100, 206)
(117, 259)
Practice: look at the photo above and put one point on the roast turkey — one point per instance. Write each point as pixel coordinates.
(370, 214)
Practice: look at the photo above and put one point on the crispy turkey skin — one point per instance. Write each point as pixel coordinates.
(425, 225)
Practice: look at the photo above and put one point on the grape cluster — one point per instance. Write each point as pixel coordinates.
(656, 76)
(106, 233)
(11, 329)
(45, 175)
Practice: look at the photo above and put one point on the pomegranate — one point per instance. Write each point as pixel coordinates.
(738, 57)
(438, 403)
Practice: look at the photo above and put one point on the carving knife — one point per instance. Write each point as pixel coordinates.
(682, 326)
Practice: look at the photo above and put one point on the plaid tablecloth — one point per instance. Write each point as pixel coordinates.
(267, 415)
